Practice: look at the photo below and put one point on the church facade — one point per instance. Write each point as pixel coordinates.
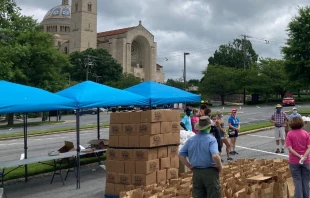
(75, 29)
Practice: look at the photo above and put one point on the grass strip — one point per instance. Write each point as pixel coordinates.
(20, 125)
(49, 131)
(254, 126)
(38, 168)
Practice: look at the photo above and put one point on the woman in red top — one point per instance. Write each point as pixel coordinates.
(195, 119)
(298, 144)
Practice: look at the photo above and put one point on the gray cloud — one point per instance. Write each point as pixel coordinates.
(195, 26)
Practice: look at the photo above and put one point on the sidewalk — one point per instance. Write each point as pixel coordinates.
(92, 185)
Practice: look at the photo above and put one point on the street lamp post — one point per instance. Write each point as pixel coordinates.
(184, 72)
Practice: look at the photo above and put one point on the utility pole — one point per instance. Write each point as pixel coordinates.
(89, 63)
(184, 72)
(244, 37)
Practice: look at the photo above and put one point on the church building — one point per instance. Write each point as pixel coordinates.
(75, 29)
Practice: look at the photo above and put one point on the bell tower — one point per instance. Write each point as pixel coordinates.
(83, 25)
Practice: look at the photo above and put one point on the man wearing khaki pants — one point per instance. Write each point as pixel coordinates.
(279, 119)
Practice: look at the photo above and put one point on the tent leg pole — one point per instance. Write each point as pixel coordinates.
(78, 149)
(25, 145)
(98, 123)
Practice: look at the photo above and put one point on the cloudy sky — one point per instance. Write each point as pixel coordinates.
(195, 26)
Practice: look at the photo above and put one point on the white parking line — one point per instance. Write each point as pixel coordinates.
(260, 136)
(262, 151)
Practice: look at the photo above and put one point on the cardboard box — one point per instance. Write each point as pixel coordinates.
(143, 179)
(175, 127)
(165, 127)
(145, 154)
(161, 175)
(152, 116)
(176, 138)
(112, 154)
(116, 129)
(124, 117)
(172, 116)
(148, 128)
(174, 162)
(112, 177)
(113, 141)
(67, 147)
(151, 140)
(125, 154)
(135, 117)
(99, 144)
(119, 166)
(124, 178)
(118, 188)
(133, 142)
(109, 165)
(146, 167)
(130, 129)
(172, 173)
(162, 152)
(109, 189)
(164, 163)
(114, 118)
(130, 167)
(123, 141)
(173, 151)
(168, 139)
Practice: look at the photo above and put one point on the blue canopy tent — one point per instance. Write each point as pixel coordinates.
(20, 98)
(89, 94)
(159, 94)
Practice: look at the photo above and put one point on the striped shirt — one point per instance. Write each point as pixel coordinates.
(280, 118)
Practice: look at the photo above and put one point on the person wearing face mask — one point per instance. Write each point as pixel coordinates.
(186, 120)
(233, 131)
(200, 154)
(221, 126)
(279, 119)
(294, 114)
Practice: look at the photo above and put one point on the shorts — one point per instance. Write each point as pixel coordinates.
(279, 133)
(234, 135)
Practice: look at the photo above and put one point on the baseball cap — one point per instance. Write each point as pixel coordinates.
(234, 110)
(294, 108)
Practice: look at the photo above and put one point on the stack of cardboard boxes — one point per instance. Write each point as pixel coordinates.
(143, 149)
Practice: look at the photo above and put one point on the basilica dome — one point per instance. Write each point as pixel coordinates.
(61, 12)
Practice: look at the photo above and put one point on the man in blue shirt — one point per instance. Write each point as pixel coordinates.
(186, 121)
(294, 114)
(204, 160)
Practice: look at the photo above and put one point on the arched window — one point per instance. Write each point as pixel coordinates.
(66, 50)
(60, 28)
(68, 28)
(59, 43)
(89, 7)
(76, 7)
(56, 28)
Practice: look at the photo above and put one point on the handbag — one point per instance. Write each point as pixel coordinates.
(231, 131)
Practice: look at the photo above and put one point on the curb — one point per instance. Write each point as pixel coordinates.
(49, 133)
(256, 130)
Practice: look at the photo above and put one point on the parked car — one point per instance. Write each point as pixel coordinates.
(288, 101)
(92, 111)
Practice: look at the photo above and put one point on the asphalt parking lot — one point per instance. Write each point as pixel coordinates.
(260, 145)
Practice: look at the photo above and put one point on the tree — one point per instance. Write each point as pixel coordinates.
(178, 83)
(296, 52)
(103, 65)
(28, 55)
(126, 80)
(232, 55)
(220, 80)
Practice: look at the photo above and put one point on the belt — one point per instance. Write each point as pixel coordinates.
(278, 126)
(203, 168)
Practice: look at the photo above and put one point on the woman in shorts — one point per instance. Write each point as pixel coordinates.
(220, 125)
(233, 130)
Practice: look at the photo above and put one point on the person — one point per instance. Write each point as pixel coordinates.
(279, 119)
(186, 121)
(294, 114)
(204, 160)
(194, 120)
(207, 112)
(233, 131)
(220, 126)
(216, 133)
(298, 144)
(202, 109)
